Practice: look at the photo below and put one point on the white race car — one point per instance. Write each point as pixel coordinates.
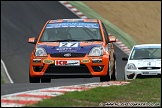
(144, 61)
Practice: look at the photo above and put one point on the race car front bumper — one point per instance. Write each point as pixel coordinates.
(82, 67)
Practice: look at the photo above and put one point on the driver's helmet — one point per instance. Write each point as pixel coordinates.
(141, 53)
(60, 32)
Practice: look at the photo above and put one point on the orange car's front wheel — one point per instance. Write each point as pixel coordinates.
(45, 80)
(114, 74)
(34, 79)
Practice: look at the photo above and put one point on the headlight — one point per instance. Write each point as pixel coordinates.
(131, 66)
(96, 51)
(40, 52)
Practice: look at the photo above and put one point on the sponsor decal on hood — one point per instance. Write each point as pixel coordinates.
(146, 63)
(76, 47)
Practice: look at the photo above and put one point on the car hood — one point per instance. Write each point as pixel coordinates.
(74, 47)
(146, 62)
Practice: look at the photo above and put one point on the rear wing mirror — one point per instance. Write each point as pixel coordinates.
(125, 58)
(112, 38)
(32, 40)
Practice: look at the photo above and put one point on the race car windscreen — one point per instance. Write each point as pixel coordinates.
(71, 31)
(146, 52)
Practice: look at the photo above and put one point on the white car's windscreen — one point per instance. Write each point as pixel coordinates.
(147, 52)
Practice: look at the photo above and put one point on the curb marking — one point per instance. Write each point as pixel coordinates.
(34, 96)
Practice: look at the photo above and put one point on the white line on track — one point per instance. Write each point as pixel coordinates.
(6, 72)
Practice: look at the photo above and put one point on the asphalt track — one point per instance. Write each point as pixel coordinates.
(21, 20)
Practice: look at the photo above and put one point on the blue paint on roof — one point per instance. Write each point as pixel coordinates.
(73, 24)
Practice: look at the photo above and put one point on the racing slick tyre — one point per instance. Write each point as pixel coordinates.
(34, 79)
(114, 75)
(107, 77)
(45, 80)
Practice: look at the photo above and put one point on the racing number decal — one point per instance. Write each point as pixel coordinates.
(63, 44)
(68, 44)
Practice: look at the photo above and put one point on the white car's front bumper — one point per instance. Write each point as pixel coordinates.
(133, 74)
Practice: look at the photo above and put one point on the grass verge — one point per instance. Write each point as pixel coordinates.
(139, 90)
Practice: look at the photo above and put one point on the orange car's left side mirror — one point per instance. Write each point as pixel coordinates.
(112, 38)
(32, 40)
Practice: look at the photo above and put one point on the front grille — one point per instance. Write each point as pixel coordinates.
(145, 68)
(72, 55)
(67, 69)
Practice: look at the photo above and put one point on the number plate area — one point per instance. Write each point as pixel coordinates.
(67, 62)
(149, 73)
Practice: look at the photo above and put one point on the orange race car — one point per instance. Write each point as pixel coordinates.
(72, 48)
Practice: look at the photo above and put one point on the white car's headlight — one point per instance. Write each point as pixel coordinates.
(40, 52)
(131, 66)
(96, 51)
